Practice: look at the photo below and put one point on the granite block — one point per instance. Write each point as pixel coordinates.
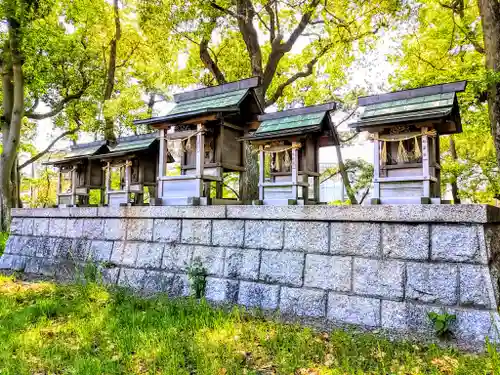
(198, 232)
(362, 239)
(41, 227)
(476, 286)
(93, 229)
(405, 241)
(167, 230)
(473, 327)
(258, 295)
(311, 237)
(177, 258)
(353, 310)
(378, 278)
(174, 285)
(149, 255)
(212, 258)
(140, 229)
(124, 253)
(302, 302)
(47, 247)
(13, 262)
(131, 278)
(27, 227)
(32, 265)
(16, 226)
(74, 228)
(456, 243)
(80, 249)
(242, 264)
(283, 267)
(432, 283)
(100, 251)
(221, 290)
(228, 232)
(328, 272)
(110, 275)
(57, 227)
(115, 229)
(264, 234)
(407, 316)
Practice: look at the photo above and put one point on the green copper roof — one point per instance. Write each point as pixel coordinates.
(82, 152)
(428, 107)
(137, 145)
(444, 100)
(213, 102)
(291, 122)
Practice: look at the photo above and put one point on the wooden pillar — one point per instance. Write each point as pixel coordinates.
(376, 168)
(73, 186)
(262, 169)
(425, 164)
(58, 187)
(316, 169)
(200, 158)
(127, 179)
(59, 173)
(242, 178)
(161, 162)
(108, 180)
(295, 169)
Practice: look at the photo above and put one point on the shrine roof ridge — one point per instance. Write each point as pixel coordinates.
(299, 111)
(133, 138)
(458, 86)
(88, 144)
(215, 90)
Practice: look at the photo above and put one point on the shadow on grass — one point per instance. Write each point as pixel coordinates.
(88, 329)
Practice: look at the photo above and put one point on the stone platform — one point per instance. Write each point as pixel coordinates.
(377, 266)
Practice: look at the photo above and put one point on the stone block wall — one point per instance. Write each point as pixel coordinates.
(376, 267)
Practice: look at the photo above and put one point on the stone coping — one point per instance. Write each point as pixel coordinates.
(464, 213)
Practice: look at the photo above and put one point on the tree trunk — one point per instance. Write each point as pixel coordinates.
(250, 190)
(15, 180)
(109, 123)
(454, 186)
(490, 17)
(11, 132)
(345, 176)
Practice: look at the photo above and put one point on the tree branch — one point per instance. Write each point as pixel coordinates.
(307, 72)
(59, 106)
(278, 49)
(214, 5)
(47, 149)
(304, 21)
(207, 60)
(246, 13)
(129, 56)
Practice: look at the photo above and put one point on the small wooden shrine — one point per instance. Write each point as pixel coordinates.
(131, 168)
(406, 126)
(78, 174)
(288, 143)
(208, 123)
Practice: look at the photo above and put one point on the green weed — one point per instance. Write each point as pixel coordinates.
(88, 329)
(442, 323)
(3, 241)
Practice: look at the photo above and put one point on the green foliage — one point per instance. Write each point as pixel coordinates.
(3, 241)
(360, 174)
(442, 49)
(41, 191)
(197, 276)
(74, 329)
(442, 323)
(325, 51)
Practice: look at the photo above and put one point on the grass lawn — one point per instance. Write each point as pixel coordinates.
(75, 329)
